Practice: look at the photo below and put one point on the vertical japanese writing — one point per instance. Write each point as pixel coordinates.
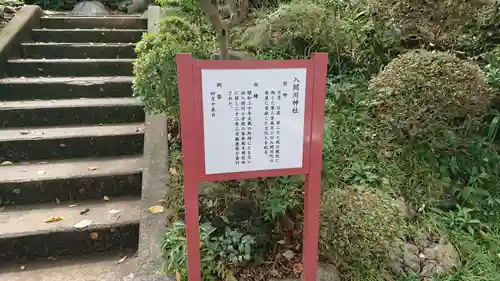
(275, 127)
(249, 127)
(295, 91)
(266, 123)
(284, 93)
(243, 128)
(212, 103)
(213, 97)
(272, 113)
(237, 132)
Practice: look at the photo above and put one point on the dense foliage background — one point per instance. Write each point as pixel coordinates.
(411, 173)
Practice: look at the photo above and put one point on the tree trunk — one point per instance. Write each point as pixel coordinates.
(223, 39)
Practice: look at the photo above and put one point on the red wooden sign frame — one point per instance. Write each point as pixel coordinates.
(192, 135)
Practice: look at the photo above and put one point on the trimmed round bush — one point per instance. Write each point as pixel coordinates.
(435, 23)
(421, 92)
(297, 29)
(359, 225)
(290, 26)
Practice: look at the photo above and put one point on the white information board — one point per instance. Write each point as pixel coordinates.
(253, 119)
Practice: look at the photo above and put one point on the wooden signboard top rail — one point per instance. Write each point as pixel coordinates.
(252, 119)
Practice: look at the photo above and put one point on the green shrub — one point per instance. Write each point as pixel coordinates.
(492, 69)
(296, 30)
(282, 197)
(155, 69)
(437, 24)
(218, 254)
(358, 226)
(291, 28)
(424, 93)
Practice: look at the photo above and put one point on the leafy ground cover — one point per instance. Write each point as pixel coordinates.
(411, 173)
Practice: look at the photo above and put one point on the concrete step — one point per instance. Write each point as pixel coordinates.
(95, 267)
(69, 67)
(87, 35)
(18, 145)
(42, 88)
(117, 22)
(70, 180)
(50, 113)
(25, 234)
(78, 50)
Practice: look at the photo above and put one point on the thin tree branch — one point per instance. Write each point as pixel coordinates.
(240, 15)
(211, 11)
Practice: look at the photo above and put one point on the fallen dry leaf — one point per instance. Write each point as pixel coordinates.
(156, 209)
(83, 224)
(53, 219)
(129, 277)
(23, 267)
(106, 198)
(94, 236)
(5, 163)
(388, 154)
(72, 205)
(84, 211)
(288, 254)
(173, 171)
(114, 214)
(121, 260)
(58, 201)
(297, 268)
(41, 172)
(16, 191)
(178, 276)
(92, 168)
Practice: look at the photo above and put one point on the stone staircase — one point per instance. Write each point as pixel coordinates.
(71, 144)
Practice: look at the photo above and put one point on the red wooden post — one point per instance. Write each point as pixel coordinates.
(206, 142)
(312, 198)
(185, 73)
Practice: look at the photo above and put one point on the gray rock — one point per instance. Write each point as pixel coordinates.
(326, 272)
(404, 209)
(440, 259)
(404, 258)
(429, 257)
(90, 8)
(9, 10)
(137, 6)
(258, 35)
(123, 6)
